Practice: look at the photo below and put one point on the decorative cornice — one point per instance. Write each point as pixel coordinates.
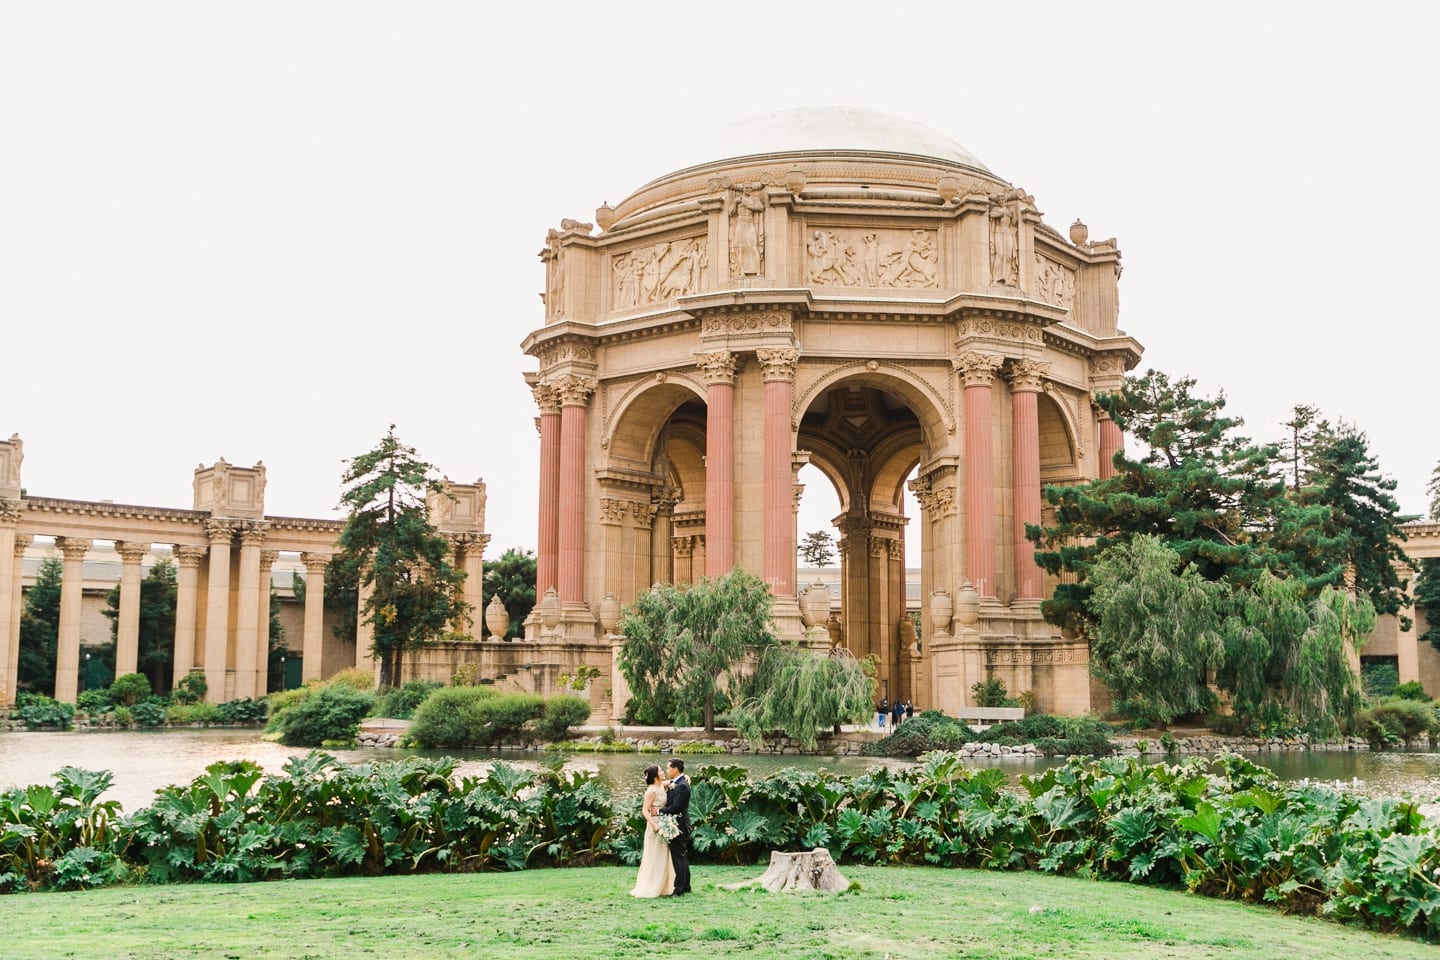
(777, 364)
(305, 524)
(118, 511)
(716, 368)
(977, 369)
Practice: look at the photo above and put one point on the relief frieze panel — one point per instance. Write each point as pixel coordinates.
(841, 257)
(659, 272)
(995, 327)
(1054, 282)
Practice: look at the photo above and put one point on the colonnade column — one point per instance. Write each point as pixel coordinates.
(1112, 441)
(187, 584)
(662, 550)
(9, 635)
(217, 608)
(547, 553)
(72, 582)
(718, 371)
(11, 667)
(778, 372)
(313, 642)
(262, 652)
(247, 613)
(575, 393)
(470, 557)
(1026, 379)
(977, 373)
(127, 626)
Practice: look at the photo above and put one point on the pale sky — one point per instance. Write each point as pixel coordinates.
(265, 231)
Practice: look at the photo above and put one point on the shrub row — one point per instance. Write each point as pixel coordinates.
(1056, 736)
(1224, 828)
(483, 716)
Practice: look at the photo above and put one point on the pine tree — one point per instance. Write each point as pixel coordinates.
(1307, 431)
(1432, 490)
(818, 549)
(512, 576)
(40, 629)
(158, 594)
(1427, 598)
(415, 590)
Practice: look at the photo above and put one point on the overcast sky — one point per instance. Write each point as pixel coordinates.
(265, 231)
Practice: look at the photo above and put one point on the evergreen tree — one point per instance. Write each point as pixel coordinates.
(415, 591)
(685, 646)
(512, 576)
(40, 629)
(158, 593)
(1427, 598)
(818, 549)
(1432, 490)
(1307, 431)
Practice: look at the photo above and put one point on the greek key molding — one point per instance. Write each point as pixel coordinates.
(1042, 656)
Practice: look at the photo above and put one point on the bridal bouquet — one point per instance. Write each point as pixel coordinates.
(667, 826)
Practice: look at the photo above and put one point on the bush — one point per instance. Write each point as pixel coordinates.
(991, 693)
(123, 717)
(1413, 690)
(191, 688)
(243, 710)
(400, 703)
(94, 702)
(357, 678)
(927, 731)
(38, 710)
(474, 716)
(1379, 680)
(184, 714)
(130, 688)
(149, 712)
(562, 713)
(332, 712)
(1396, 720)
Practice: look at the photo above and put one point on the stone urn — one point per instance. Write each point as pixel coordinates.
(948, 188)
(815, 604)
(1079, 233)
(967, 606)
(608, 613)
(497, 618)
(795, 181)
(605, 216)
(550, 609)
(942, 608)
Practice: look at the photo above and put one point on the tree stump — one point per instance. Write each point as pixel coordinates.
(812, 870)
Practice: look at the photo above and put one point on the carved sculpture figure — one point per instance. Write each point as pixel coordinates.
(659, 272)
(1003, 245)
(882, 260)
(745, 206)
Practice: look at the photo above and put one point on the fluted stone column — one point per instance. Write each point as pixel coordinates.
(1026, 380)
(470, 557)
(9, 636)
(247, 626)
(217, 608)
(547, 562)
(575, 393)
(72, 583)
(718, 371)
(262, 651)
(778, 373)
(1112, 441)
(10, 663)
(313, 642)
(977, 373)
(127, 625)
(662, 550)
(187, 586)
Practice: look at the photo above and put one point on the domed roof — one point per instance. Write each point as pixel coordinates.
(837, 130)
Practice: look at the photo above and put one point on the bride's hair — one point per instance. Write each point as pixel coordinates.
(652, 774)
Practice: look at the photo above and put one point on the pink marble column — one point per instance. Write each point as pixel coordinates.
(977, 373)
(187, 581)
(1112, 441)
(1026, 379)
(575, 393)
(72, 583)
(718, 370)
(778, 373)
(547, 562)
(313, 640)
(127, 626)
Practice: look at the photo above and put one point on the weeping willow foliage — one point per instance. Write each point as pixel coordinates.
(802, 693)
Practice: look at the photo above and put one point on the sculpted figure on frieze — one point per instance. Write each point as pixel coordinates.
(1004, 266)
(661, 271)
(745, 205)
(893, 258)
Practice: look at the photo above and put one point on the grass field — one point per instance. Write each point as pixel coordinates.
(579, 914)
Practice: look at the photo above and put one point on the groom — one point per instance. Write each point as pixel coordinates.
(677, 803)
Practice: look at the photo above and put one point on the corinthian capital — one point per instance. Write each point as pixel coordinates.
(252, 532)
(778, 363)
(219, 531)
(575, 391)
(130, 551)
(74, 548)
(1028, 375)
(977, 369)
(547, 398)
(718, 367)
(10, 512)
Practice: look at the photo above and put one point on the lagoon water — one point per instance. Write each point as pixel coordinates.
(142, 762)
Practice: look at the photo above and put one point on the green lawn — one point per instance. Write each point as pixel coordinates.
(586, 913)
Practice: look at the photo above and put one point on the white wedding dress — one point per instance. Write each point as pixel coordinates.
(657, 871)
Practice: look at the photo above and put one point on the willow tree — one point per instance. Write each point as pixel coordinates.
(685, 645)
(413, 592)
(802, 693)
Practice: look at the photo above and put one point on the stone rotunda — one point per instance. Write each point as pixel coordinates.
(856, 292)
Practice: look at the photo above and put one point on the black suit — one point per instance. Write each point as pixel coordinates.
(677, 804)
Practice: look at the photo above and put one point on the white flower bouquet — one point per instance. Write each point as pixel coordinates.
(667, 826)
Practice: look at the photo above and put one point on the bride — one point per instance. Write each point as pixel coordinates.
(657, 871)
